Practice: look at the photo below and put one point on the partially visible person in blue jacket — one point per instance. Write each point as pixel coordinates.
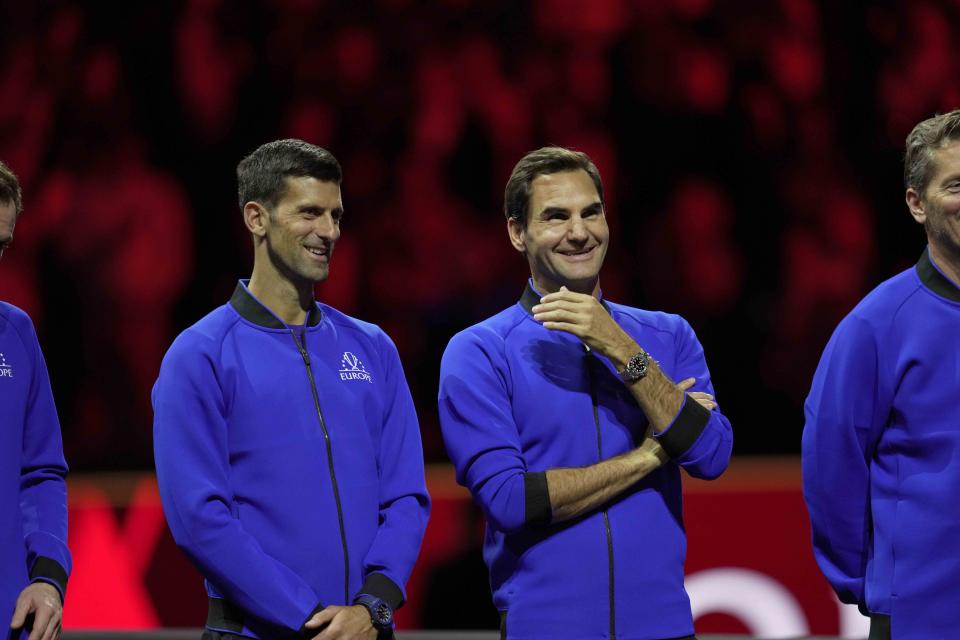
(563, 419)
(287, 447)
(881, 473)
(34, 560)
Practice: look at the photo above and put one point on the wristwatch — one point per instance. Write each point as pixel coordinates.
(636, 368)
(381, 613)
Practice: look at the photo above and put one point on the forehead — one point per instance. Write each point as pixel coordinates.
(566, 190)
(307, 191)
(8, 218)
(946, 161)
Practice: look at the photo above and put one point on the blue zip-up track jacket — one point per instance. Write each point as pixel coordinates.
(289, 462)
(881, 473)
(33, 490)
(517, 399)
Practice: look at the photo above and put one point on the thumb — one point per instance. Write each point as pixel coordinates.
(683, 385)
(321, 618)
(564, 288)
(20, 613)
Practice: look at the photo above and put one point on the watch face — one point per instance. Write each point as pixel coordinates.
(384, 614)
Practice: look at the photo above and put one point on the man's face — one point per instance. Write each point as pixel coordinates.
(8, 218)
(938, 209)
(302, 229)
(566, 235)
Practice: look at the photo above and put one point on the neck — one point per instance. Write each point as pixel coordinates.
(288, 300)
(546, 285)
(947, 261)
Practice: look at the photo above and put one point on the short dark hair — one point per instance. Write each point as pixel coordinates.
(932, 133)
(10, 188)
(543, 161)
(261, 175)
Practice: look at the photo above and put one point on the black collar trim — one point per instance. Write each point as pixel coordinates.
(531, 298)
(252, 310)
(931, 277)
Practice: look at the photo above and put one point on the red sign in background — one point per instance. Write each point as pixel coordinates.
(750, 567)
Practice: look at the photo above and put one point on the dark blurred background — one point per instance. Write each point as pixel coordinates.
(750, 151)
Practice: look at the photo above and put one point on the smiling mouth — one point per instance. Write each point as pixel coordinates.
(579, 254)
(318, 252)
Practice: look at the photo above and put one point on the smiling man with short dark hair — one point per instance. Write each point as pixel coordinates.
(562, 418)
(297, 491)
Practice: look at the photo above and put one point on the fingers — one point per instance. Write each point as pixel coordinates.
(41, 621)
(322, 618)
(705, 399)
(683, 385)
(566, 294)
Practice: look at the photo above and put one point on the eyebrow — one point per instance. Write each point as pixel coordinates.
(590, 207)
(309, 208)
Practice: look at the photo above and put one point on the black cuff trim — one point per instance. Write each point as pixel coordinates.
(310, 633)
(384, 588)
(537, 499)
(686, 428)
(49, 569)
(224, 615)
(879, 627)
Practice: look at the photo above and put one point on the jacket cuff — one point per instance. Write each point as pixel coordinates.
(686, 427)
(303, 632)
(537, 509)
(50, 571)
(380, 586)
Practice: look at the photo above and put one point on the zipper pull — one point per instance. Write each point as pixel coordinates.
(304, 355)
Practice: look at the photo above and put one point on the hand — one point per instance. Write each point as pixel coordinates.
(705, 399)
(346, 623)
(651, 447)
(43, 601)
(584, 316)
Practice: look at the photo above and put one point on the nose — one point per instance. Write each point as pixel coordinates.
(577, 229)
(326, 227)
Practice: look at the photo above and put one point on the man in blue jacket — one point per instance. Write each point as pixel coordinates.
(562, 418)
(880, 471)
(287, 447)
(34, 559)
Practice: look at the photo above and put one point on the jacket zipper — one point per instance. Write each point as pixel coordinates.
(606, 515)
(301, 346)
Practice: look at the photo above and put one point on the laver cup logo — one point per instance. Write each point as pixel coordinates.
(6, 371)
(352, 369)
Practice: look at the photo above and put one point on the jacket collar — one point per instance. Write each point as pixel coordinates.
(254, 311)
(933, 279)
(531, 298)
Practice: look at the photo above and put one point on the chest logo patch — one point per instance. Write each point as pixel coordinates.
(351, 368)
(6, 371)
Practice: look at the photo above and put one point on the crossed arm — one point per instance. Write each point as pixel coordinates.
(579, 490)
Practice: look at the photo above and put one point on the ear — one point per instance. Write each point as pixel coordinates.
(516, 231)
(255, 216)
(915, 204)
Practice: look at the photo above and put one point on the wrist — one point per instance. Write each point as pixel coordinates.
(620, 354)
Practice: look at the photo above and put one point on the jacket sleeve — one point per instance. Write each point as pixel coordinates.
(699, 440)
(845, 416)
(481, 435)
(191, 453)
(43, 488)
(404, 503)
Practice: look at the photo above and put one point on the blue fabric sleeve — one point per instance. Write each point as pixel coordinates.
(705, 454)
(43, 472)
(844, 418)
(480, 434)
(191, 452)
(404, 503)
